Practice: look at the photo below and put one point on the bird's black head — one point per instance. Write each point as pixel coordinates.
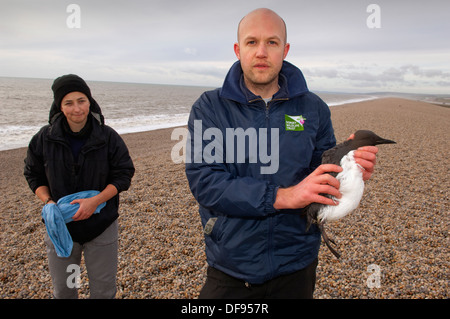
(369, 138)
(361, 138)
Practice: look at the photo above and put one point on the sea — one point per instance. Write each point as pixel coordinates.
(127, 107)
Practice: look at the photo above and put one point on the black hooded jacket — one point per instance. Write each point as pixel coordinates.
(104, 159)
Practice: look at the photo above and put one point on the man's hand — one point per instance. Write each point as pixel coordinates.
(309, 189)
(366, 157)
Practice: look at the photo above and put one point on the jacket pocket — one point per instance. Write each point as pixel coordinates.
(213, 227)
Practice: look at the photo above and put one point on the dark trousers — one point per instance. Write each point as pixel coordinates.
(298, 285)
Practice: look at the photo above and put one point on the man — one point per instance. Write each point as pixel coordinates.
(256, 241)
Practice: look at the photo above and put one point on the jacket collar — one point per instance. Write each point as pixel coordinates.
(96, 138)
(291, 81)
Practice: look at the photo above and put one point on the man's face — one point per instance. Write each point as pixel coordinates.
(261, 49)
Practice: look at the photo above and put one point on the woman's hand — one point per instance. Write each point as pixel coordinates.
(89, 205)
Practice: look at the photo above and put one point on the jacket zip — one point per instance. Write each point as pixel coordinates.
(270, 218)
(66, 146)
(84, 150)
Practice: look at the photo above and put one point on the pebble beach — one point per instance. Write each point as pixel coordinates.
(395, 245)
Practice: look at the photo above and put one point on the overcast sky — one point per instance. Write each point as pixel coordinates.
(190, 42)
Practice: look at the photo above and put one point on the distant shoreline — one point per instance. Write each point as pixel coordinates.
(160, 126)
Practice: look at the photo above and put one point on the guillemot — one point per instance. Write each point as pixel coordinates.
(351, 182)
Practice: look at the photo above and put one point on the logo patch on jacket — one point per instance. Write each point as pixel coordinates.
(294, 122)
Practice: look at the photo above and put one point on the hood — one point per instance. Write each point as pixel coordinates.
(291, 80)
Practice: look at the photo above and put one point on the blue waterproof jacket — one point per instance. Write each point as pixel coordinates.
(245, 236)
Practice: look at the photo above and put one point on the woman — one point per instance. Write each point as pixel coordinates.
(76, 152)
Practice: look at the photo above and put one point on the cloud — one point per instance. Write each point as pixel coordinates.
(321, 72)
(190, 51)
(430, 73)
(186, 42)
(363, 76)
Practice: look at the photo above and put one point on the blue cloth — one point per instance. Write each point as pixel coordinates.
(57, 215)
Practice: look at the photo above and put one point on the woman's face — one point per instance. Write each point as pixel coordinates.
(75, 107)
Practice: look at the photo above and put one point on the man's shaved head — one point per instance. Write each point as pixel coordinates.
(263, 14)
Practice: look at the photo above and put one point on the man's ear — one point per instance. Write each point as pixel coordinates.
(237, 50)
(287, 46)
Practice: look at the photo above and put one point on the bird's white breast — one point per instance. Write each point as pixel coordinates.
(351, 188)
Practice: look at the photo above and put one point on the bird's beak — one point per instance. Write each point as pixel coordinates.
(385, 141)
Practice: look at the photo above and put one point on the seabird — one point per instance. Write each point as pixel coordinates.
(351, 182)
